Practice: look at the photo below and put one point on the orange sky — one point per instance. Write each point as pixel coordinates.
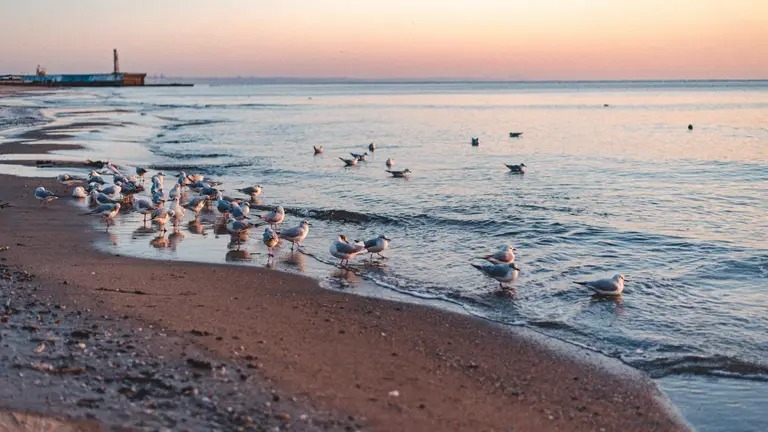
(486, 39)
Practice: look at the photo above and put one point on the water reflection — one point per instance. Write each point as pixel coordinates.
(296, 260)
(143, 231)
(175, 238)
(238, 255)
(159, 242)
(195, 227)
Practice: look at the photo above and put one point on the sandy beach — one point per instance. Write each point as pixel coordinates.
(119, 342)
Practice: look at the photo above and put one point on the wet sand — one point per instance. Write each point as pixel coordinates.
(312, 358)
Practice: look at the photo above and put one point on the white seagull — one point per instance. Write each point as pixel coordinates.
(607, 287)
(79, 192)
(296, 234)
(275, 216)
(377, 245)
(343, 250)
(500, 272)
(44, 195)
(390, 162)
(505, 255)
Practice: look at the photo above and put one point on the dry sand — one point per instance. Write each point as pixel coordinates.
(276, 348)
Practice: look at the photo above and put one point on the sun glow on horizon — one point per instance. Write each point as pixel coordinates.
(482, 39)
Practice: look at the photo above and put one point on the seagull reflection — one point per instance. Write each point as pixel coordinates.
(238, 255)
(143, 231)
(175, 238)
(159, 242)
(297, 260)
(195, 227)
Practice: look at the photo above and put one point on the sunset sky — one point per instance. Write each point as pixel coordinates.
(476, 39)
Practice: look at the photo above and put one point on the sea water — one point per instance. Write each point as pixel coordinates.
(616, 182)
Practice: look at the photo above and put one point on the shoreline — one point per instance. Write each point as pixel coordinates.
(339, 353)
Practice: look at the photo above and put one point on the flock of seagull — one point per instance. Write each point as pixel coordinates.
(107, 201)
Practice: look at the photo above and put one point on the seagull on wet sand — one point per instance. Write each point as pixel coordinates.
(107, 211)
(500, 272)
(79, 192)
(343, 250)
(607, 287)
(296, 234)
(252, 191)
(270, 239)
(505, 255)
(377, 245)
(44, 195)
(143, 206)
(68, 179)
(517, 169)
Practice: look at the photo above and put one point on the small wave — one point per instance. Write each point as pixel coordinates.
(700, 365)
(201, 122)
(188, 155)
(343, 216)
(215, 169)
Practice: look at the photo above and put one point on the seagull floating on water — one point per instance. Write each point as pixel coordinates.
(500, 272)
(517, 169)
(390, 162)
(343, 250)
(360, 156)
(400, 174)
(607, 287)
(515, 134)
(317, 149)
(349, 162)
(372, 147)
(296, 234)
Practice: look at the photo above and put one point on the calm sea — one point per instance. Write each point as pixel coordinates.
(615, 183)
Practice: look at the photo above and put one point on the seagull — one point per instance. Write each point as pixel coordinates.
(607, 287)
(44, 195)
(359, 156)
(372, 147)
(95, 177)
(349, 162)
(68, 179)
(317, 149)
(296, 234)
(175, 191)
(143, 206)
(275, 216)
(161, 216)
(500, 272)
(270, 239)
(377, 245)
(517, 169)
(475, 142)
(390, 162)
(195, 204)
(344, 250)
(400, 174)
(178, 212)
(253, 191)
(79, 192)
(505, 255)
(108, 211)
(112, 190)
(140, 172)
(237, 229)
(515, 134)
(102, 198)
(237, 212)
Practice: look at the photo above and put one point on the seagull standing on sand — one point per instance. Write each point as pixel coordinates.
(140, 172)
(607, 287)
(343, 250)
(68, 179)
(297, 234)
(505, 255)
(517, 169)
(79, 192)
(274, 217)
(44, 195)
(270, 239)
(500, 272)
(377, 245)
